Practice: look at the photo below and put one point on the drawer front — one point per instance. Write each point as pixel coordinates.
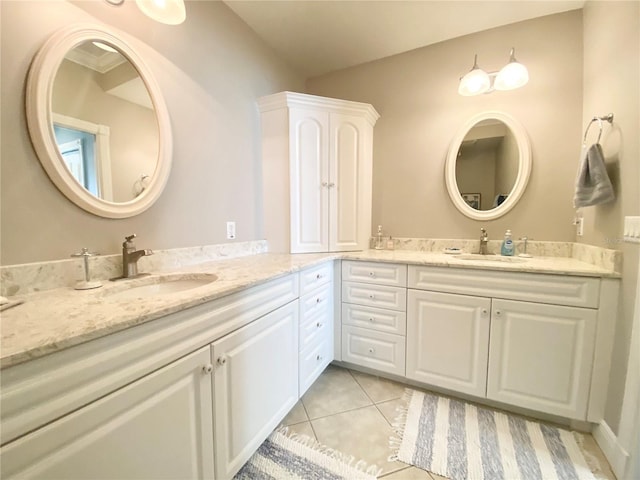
(377, 350)
(381, 319)
(313, 277)
(318, 302)
(531, 287)
(313, 361)
(315, 330)
(373, 272)
(372, 295)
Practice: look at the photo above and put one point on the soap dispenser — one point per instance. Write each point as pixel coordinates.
(379, 243)
(508, 248)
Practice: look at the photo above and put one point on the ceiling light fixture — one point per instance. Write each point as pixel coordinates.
(169, 12)
(513, 75)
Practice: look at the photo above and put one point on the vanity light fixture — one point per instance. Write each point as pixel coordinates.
(169, 12)
(513, 75)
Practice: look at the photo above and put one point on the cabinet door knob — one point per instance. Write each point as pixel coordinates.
(498, 313)
(318, 300)
(324, 184)
(484, 312)
(372, 274)
(318, 276)
(372, 296)
(371, 319)
(371, 350)
(222, 360)
(318, 358)
(208, 368)
(318, 324)
(331, 184)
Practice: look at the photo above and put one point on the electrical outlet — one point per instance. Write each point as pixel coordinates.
(231, 230)
(580, 226)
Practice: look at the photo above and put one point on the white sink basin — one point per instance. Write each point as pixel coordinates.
(159, 285)
(489, 258)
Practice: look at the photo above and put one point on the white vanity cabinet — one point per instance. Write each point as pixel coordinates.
(158, 427)
(374, 298)
(448, 342)
(189, 395)
(316, 338)
(317, 168)
(255, 385)
(537, 331)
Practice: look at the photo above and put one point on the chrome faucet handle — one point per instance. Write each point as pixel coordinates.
(128, 241)
(130, 237)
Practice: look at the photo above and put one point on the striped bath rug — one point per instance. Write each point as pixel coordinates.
(461, 441)
(299, 457)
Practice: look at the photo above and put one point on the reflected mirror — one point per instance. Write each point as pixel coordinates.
(488, 165)
(98, 122)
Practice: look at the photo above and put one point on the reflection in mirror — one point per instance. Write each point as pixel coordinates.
(104, 122)
(487, 164)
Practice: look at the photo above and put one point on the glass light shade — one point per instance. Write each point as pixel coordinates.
(475, 82)
(513, 75)
(170, 12)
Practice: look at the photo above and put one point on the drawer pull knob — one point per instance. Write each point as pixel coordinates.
(371, 319)
(207, 368)
(318, 300)
(372, 274)
(371, 350)
(318, 358)
(222, 360)
(498, 313)
(372, 296)
(318, 324)
(318, 276)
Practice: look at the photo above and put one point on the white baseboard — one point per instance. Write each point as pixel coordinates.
(608, 443)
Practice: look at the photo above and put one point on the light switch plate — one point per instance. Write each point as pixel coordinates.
(632, 229)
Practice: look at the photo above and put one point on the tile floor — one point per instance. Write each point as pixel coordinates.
(353, 412)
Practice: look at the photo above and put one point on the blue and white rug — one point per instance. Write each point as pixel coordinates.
(299, 457)
(461, 441)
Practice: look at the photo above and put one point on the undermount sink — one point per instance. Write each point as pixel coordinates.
(490, 258)
(160, 285)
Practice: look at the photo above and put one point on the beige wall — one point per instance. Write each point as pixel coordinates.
(612, 84)
(211, 70)
(416, 96)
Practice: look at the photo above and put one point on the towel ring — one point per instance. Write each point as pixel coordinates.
(606, 118)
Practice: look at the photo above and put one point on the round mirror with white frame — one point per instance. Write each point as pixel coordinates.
(488, 165)
(98, 121)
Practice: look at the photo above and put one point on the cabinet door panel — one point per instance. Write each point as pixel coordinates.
(157, 427)
(448, 340)
(349, 174)
(541, 356)
(256, 384)
(309, 180)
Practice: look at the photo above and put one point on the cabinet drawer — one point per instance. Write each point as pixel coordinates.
(318, 302)
(313, 361)
(532, 287)
(394, 298)
(314, 330)
(383, 320)
(373, 272)
(377, 350)
(313, 277)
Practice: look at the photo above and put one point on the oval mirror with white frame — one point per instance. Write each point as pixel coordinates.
(488, 165)
(98, 122)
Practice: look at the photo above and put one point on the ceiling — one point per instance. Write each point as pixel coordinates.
(319, 36)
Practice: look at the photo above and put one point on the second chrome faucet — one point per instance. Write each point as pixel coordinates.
(484, 241)
(130, 257)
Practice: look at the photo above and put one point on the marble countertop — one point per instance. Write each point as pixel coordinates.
(60, 318)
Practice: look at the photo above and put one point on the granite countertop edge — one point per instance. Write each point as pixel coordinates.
(61, 318)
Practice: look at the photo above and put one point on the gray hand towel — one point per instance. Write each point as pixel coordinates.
(592, 184)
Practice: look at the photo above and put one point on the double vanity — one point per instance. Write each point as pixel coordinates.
(185, 374)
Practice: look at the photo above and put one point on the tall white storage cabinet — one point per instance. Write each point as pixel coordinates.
(316, 166)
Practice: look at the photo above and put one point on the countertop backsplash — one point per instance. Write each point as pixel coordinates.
(40, 276)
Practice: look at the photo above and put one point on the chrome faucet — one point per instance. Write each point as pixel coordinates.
(130, 257)
(484, 240)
